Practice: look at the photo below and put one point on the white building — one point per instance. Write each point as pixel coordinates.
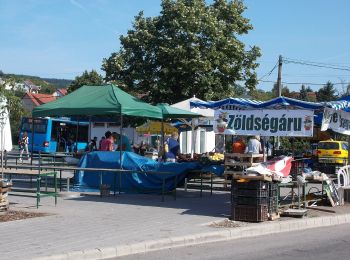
(203, 138)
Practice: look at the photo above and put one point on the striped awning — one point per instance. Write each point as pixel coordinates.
(276, 103)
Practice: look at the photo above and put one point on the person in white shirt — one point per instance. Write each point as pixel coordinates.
(254, 145)
(24, 145)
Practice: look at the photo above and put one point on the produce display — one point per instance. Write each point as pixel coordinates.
(206, 158)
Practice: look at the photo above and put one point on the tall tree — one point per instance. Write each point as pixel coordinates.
(327, 92)
(87, 78)
(191, 48)
(285, 90)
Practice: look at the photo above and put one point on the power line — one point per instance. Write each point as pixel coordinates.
(305, 83)
(316, 64)
(270, 72)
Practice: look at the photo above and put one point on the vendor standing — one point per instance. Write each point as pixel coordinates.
(172, 148)
(254, 145)
(126, 147)
(238, 145)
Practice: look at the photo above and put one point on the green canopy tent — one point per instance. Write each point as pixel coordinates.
(98, 100)
(173, 112)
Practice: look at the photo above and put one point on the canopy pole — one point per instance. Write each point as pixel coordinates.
(31, 158)
(121, 140)
(76, 136)
(348, 153)
(163, 141)
(89, 135)
(192, 139)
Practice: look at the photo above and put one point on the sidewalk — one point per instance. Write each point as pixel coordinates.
(93, 227)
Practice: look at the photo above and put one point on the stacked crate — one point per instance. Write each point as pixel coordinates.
(273, 198)
(250, 200)
(5, 187)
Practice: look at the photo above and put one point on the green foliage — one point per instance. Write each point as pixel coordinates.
(259, 94)
(285, 91)
(326, 93)
(87, 78)
(48, 85)
(191, 48)
(304, 94)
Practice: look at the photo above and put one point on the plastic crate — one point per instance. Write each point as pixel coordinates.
(249, 193)
(273, 204)
(252, 185)
(273, 186)
(250, 213)
(273, 193)
(253, 201)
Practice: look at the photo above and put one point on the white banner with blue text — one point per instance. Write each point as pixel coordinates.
(266, 122)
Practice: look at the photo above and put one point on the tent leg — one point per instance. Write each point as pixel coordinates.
(76, 136)
(121, 140)
(163, 141)
(31, 158)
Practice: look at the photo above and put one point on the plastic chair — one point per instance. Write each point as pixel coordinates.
(343, 176)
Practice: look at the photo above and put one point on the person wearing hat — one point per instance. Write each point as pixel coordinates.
(254, 145)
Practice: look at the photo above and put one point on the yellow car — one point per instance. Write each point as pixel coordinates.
(332, 151)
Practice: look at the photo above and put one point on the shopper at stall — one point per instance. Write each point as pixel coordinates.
(172, 147)
(99, 144)
(107, 143)
(238, 145)
(23, 144)
(93, 145)
(254, 145)
(125, 143)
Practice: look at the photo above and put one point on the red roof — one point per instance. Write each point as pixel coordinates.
(63, 91)
(39, 99)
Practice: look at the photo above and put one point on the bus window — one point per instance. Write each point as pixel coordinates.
(40, 125)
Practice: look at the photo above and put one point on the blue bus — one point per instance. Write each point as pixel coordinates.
(55, 134)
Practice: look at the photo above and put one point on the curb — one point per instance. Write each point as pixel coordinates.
(201, 238)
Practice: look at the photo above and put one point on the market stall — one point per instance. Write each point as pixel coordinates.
(109, 100)
(275, 118)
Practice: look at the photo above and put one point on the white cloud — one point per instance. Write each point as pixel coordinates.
(78, 5)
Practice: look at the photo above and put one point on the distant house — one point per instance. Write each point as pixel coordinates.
(60, 92)
(311, 96)
(32, 100)
(29, 86)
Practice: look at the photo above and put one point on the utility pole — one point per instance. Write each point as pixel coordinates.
(279, 77)
(279, 89)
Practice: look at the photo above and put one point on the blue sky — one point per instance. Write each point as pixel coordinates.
(62, 38)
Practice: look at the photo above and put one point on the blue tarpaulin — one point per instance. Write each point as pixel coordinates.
(130, 181)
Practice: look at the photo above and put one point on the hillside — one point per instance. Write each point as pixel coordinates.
(44, 82)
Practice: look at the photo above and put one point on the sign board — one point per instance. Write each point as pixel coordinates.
(337, 120)
(264, 122)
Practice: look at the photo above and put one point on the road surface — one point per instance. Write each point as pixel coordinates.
(321, 243)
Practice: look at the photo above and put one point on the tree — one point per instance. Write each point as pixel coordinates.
(326, 93)
(284, 92)
(191, 48)
(87, 78)
(259, 94)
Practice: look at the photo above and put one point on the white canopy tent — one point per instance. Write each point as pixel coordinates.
(198, 140)
(7, 138)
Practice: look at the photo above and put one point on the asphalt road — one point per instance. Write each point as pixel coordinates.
(321, 243)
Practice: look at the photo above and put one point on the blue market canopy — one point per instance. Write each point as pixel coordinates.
(276, 103)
